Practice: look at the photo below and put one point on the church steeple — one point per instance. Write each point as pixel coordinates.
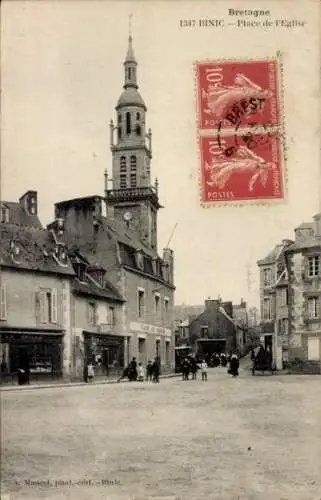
(132, 189)
(130, 66)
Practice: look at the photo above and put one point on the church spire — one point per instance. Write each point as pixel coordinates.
(130, 63)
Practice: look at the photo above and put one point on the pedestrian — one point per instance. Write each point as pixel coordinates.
(203, 367)
(86, 372)
(234, 365)
(185, 369)
(149, 371)
(193, 368)
(252, 354)
(156, 370)
(141, 373)
(132, 372)
(91, 372)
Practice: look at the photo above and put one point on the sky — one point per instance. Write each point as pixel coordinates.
(62, 74)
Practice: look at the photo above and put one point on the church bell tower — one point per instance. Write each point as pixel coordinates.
(133, 197)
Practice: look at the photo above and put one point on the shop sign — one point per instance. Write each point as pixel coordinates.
(153, 329)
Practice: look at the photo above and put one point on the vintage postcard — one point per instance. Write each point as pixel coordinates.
(160, 250)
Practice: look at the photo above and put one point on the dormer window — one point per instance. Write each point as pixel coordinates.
(4, 214)
(140, 260)
(14, 251)
(155, 266)
(33, 206)
(60, 256)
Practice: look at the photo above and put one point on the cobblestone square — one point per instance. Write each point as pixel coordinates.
(250, 438)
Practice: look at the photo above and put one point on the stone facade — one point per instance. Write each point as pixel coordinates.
(290, 288)
(304, 268)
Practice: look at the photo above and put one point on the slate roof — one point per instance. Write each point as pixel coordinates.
(18, 215)
(36, 249)
(89, 288)
(305, 244)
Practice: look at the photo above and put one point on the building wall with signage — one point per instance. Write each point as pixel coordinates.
(149, 321)
(96, 315)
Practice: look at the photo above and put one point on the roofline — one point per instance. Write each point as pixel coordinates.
(96, 294)
(151, 276)
(75, 200)
(70, 274)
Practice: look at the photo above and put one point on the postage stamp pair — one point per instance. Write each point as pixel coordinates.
(240, 131)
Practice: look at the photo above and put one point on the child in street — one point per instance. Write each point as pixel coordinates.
(91, 372)
(203, 367)
(141, 372)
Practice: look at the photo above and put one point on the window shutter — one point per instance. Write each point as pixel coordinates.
(42, 300)
(54, 306)
(3, 308)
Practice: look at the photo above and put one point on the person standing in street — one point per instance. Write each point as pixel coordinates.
(193, 368)
(141, 373)
(234, 365)
(156, 370)
(204, 367)
(149, 371)
(91, 372)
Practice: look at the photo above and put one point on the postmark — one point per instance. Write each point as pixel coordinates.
(250, 172)
(231, 93)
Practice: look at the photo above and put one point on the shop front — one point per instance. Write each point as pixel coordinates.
(105, 352)
(35, 353)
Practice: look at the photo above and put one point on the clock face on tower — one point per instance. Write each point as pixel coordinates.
(127, 216)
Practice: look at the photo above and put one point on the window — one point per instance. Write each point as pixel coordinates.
(92, 319)
(137, 116)
(138, 130)
(129, 73)
(123, 166)
(133, 180)
(283, 296)
(48, 306)
(314, 266)
(140, 260)
(166, 307)
(4, 214)
(313, 349)
(267, 276)
(157, 348)
(204, 332)
(157, 303)
(141, 303)
(133, 163)
(3, 304)
(167, 357)
(283, 326)
(267, 308)
(141, 350)
(119, 119)
(119, 132)
(123, 181)
(128, 124)
(111, 316)
(314, 307)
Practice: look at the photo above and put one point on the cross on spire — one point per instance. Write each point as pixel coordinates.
(130, 17)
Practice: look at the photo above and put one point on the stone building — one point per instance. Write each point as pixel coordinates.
(273, 277)
(213, 330)
(119, 230)
(36, 277)
(303, 262)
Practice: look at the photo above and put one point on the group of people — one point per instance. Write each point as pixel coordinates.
(191, 365)
(138, 372)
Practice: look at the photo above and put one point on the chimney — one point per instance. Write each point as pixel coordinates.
(317, 225)
(168, 258)
(29, 201)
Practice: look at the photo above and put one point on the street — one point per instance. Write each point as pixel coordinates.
(250, 438)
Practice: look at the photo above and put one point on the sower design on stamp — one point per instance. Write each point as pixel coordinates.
(231, 93)
(250, 171)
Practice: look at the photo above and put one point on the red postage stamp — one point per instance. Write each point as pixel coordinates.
(235, 169)
(234, 93)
